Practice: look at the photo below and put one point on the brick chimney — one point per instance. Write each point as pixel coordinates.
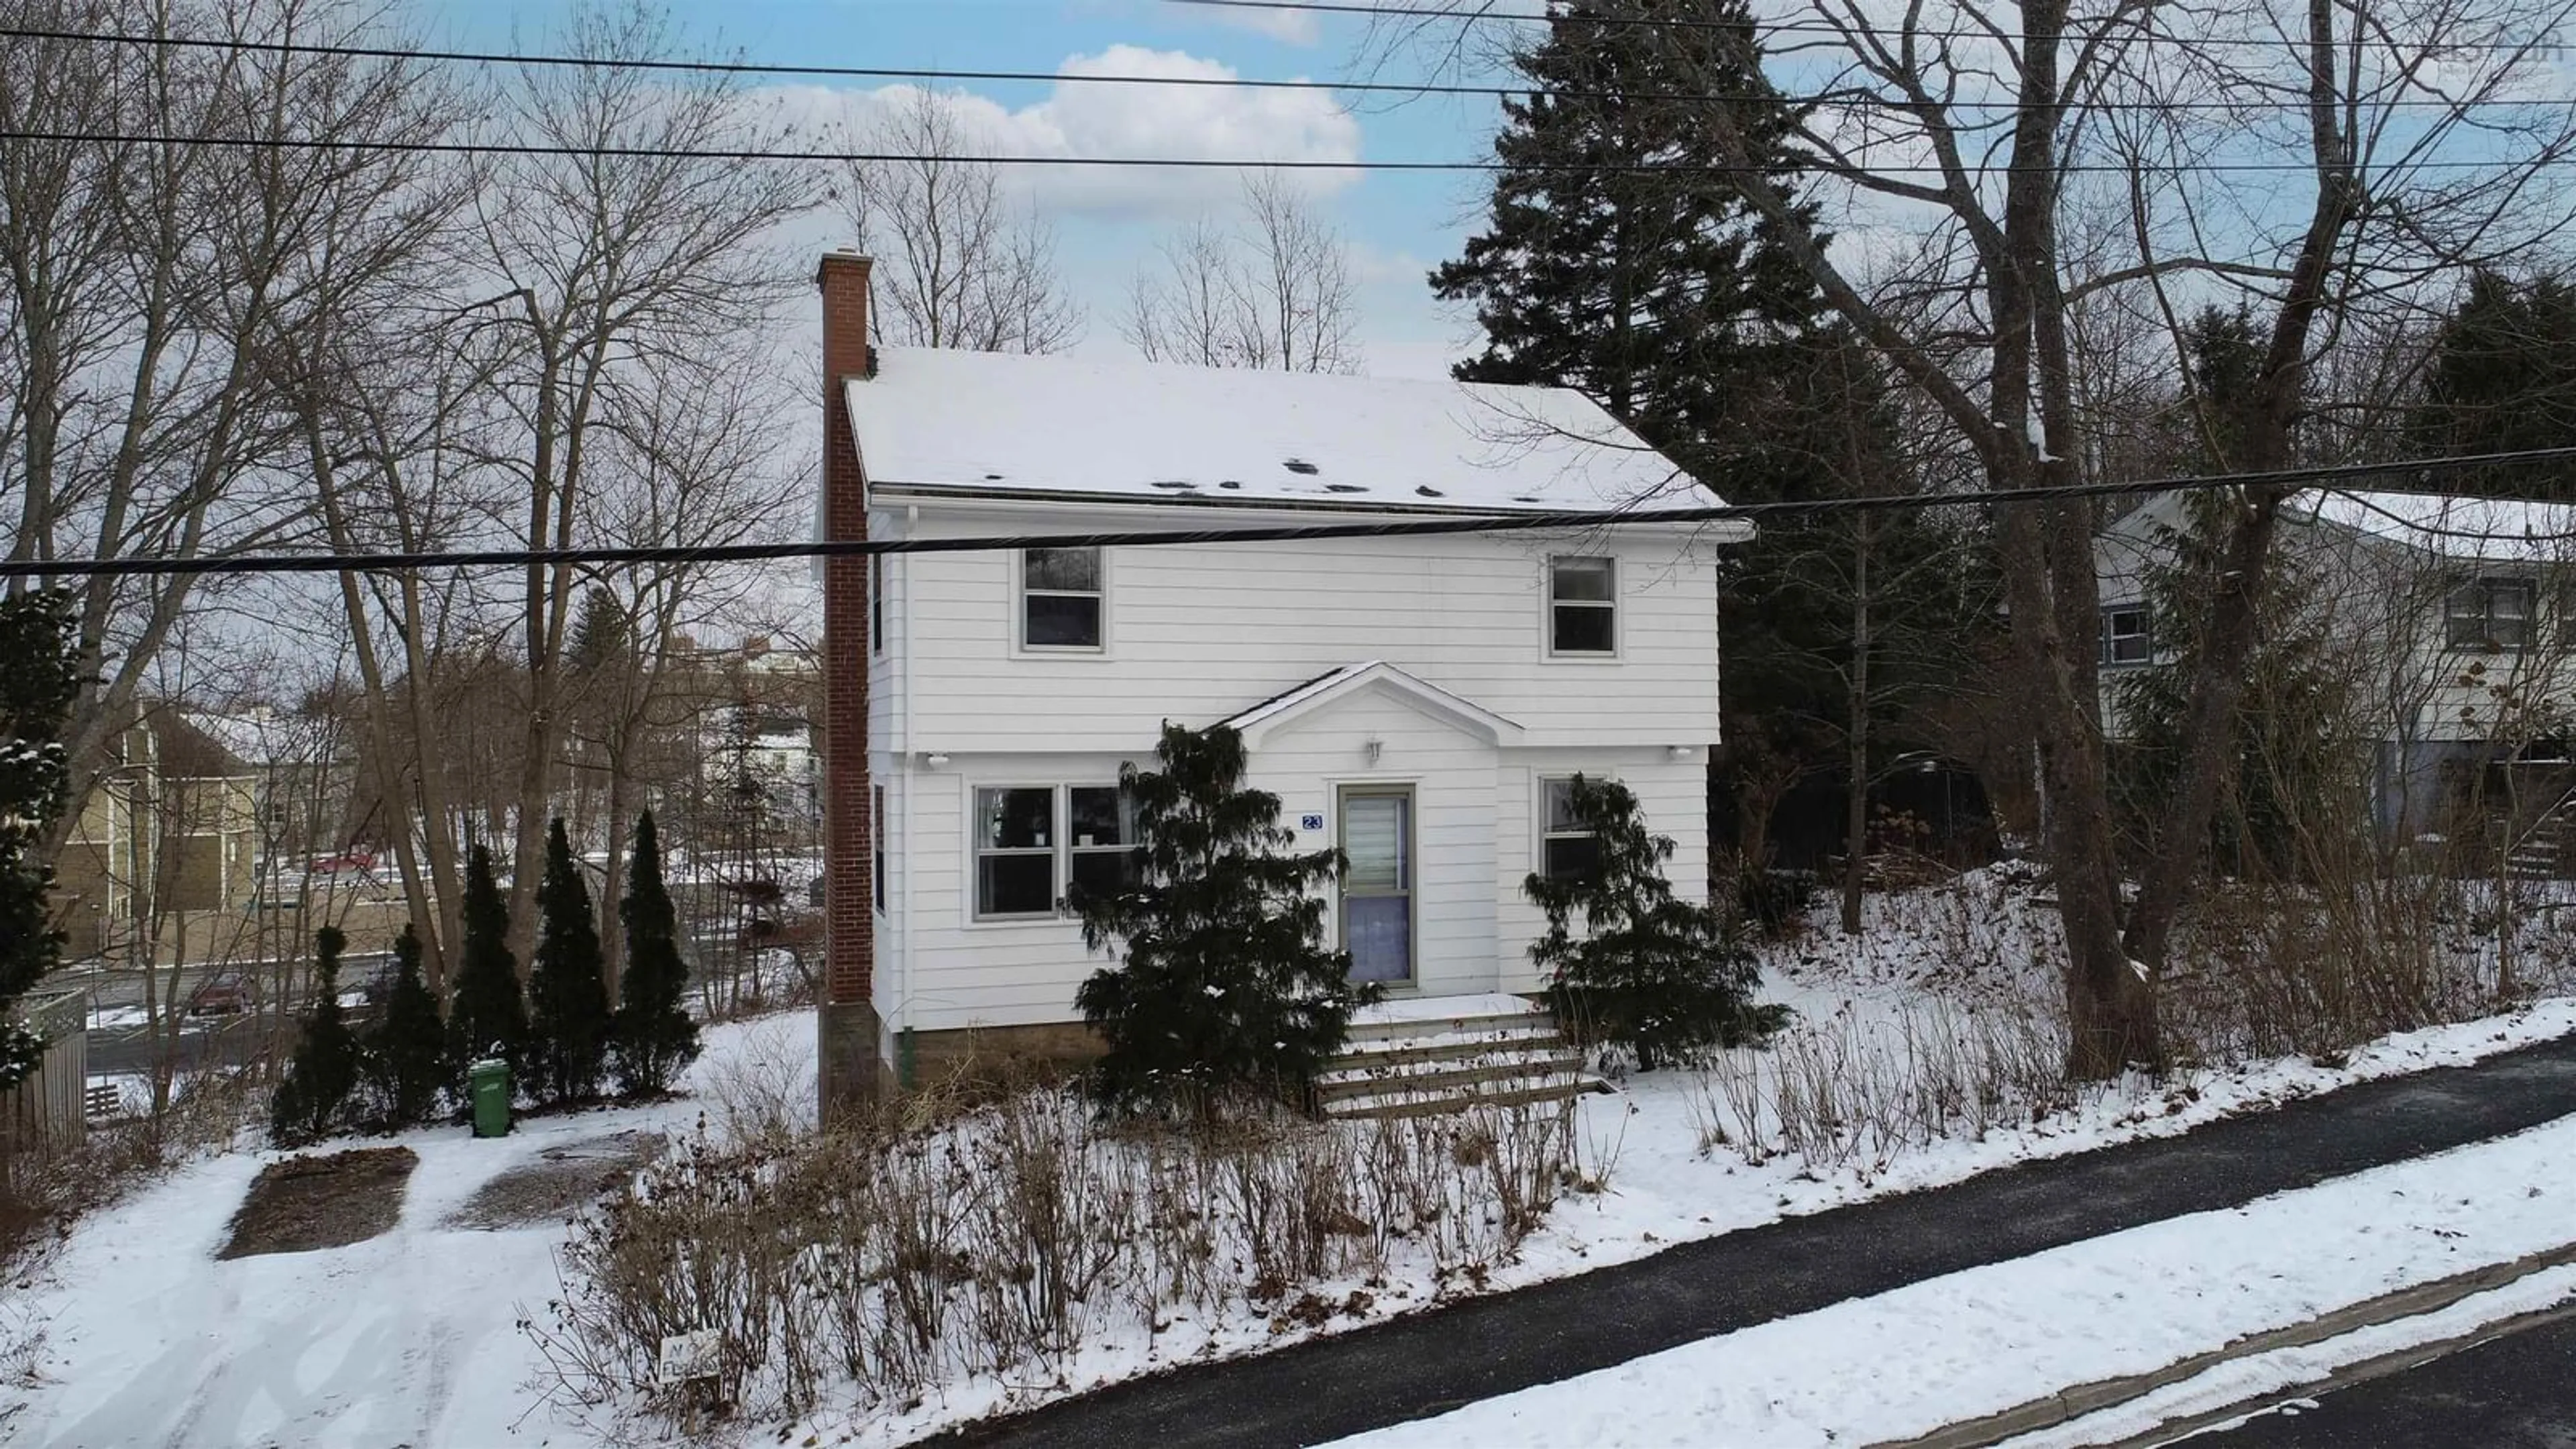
(850, 1064)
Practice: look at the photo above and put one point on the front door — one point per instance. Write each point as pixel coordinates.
(1377, 892)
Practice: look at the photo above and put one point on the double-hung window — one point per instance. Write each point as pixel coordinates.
(1031, 840)
(1583, 607)
(2491, 616)
(1015, 852)
(2125, 639)
(1060, 598)
(1100, 838)
(1568, 849)
(877, 862)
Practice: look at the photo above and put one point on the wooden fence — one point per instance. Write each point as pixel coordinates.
(52, 1104)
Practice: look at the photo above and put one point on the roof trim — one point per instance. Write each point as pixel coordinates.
(1728, 530)
(1280, 710)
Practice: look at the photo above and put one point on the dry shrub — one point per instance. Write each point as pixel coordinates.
(1845, 1092)
(900, 1258)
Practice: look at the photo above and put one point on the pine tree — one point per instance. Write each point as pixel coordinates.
(654, 1037)
(406, 1053)
(488, 1015)
(1227, 988)
(1651, 973)
(568, 999)
(313, 1098)
(1608, 265)
(37, 685)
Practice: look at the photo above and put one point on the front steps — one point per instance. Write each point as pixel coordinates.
(1420, 1057)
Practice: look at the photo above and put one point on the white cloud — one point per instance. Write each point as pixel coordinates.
(1093, 119)
(1295, 27)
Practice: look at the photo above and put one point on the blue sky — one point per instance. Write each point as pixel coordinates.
(1109, 224)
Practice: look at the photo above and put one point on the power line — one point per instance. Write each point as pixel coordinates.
(1843, 97)
(1567, 521)
(1481, 11)
(1186, 163)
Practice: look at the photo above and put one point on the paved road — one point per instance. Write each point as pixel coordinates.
(2518, 1392)
(1424, 1364)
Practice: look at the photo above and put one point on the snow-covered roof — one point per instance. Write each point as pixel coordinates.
(268, 737)
(996, 424)
(2499, 530)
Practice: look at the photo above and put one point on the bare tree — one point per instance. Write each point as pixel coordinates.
(600, 261)
(144, 279)
(959, 264)
(2384, 158)
(1274, 294)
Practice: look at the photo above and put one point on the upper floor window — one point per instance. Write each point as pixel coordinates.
(2488, 615)
(1583, 606)
(2125, 639)
(1568, 849)
(1060, 598)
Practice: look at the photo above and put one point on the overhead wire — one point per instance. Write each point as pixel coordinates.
(1475, 523)
(653, 64)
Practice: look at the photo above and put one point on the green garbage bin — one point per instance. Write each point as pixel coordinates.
(489, 1082)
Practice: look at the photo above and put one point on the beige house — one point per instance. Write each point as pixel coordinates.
(172, 826)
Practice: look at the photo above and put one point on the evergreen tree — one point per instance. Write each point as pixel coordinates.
(2295, 782)
(2503, 379)
(1227, 987)
(653, 1035)
(1651, 973)
(37, 685)
(604, 632)
(1608, 265)
(313, 1098)
(406, 1053)
(567, 990)
(488, 1015)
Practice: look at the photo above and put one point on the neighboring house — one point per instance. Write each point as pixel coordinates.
(2455, 617)
(303, 768)
(1417, 701)
(172, 826)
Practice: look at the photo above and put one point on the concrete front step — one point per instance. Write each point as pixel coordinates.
(1413, 1051)
(1444, 1081)
(1498, 1023)
(1415, 1106)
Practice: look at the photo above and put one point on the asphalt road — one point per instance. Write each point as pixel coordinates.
(2518, 1392)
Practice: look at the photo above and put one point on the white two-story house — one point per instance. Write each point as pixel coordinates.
(1417, 701)
(2453, 617)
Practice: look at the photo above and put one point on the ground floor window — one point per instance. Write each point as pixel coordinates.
(1567, 850)
(1032, 840)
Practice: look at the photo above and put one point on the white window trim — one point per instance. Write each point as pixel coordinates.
(2105, 642)
(1540, 835)
(2487, 583)
(1547, 612)
(975, 853)
(1019, 621)
(1060, 848)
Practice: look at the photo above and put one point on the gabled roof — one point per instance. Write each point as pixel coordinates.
(1288, 706)
(2498, 530)
(2446, 525)
(992, 424)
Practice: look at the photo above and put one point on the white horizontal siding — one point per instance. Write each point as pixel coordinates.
(1196, 633)
(1671, 794)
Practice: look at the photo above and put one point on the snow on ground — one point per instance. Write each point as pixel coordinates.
(1988, 1339)
(413, 1337)
(408, 1338)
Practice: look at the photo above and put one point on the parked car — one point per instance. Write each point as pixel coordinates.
(219, 996)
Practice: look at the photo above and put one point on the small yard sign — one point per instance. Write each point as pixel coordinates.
(689, 1356)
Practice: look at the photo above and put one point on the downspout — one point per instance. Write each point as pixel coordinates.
(907, 1074)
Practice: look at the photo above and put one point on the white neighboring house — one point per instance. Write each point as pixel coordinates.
(1418, 701)
(2457, 616)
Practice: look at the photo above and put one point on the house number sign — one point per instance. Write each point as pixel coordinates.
(1310, 822)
